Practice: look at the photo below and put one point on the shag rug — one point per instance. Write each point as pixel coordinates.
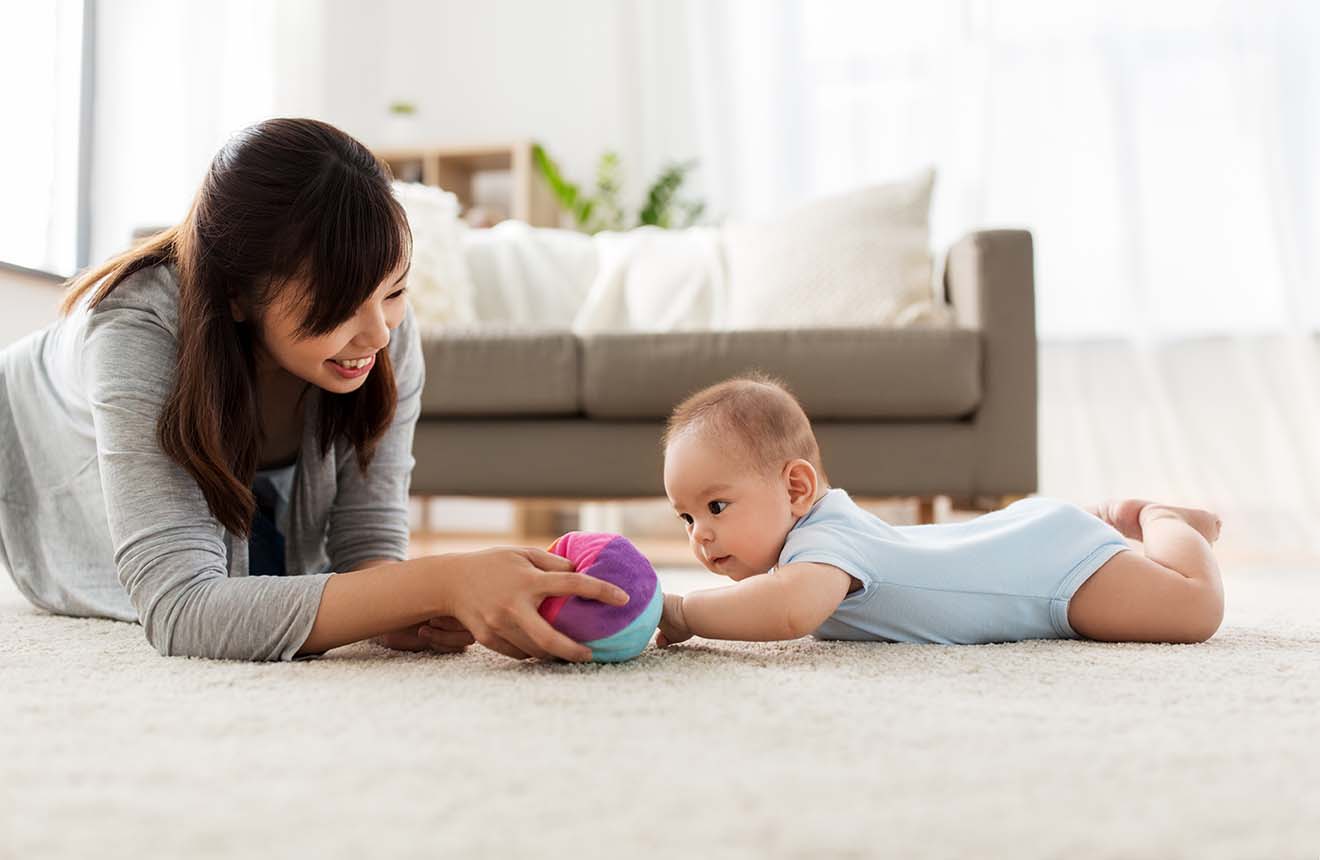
(712, 749)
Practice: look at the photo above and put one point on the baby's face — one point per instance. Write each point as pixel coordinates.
(737, 519)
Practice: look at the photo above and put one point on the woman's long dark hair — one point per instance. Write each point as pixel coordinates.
(285, 201)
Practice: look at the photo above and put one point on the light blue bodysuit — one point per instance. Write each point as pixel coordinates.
(1002, 577)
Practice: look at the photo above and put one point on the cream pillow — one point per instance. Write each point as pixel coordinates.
(856, 259)
(439, 285)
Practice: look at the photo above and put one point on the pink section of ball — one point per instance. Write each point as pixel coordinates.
(550, 607)
(581, 548)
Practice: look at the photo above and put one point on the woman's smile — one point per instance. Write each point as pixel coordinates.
(352, 368)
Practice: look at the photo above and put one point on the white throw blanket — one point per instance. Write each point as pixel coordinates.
(650, 279)
(529, 276)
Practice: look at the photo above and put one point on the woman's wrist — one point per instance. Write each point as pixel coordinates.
(439, 578)
(359, 604)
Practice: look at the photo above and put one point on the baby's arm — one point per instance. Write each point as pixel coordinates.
(787, 604)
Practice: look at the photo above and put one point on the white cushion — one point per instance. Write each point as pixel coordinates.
(439, 286)
(856, 259)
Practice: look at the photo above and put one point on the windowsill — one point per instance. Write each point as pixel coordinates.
(39, 274)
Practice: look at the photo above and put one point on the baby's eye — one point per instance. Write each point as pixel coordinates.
(717, 508)
(686, 518)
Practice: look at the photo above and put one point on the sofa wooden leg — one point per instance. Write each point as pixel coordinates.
(537, 521)
(926, 510)
(1005, 501)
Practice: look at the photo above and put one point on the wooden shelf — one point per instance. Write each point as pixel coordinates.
(454, 168)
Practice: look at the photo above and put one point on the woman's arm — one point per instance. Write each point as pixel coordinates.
(494, 593)
(787, 604)
(378, 598)
(439, 634)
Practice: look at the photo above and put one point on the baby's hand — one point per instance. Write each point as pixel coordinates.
(673, 626)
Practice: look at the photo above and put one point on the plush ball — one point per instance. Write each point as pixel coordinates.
(613, 633)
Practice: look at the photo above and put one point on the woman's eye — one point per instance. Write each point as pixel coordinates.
(717, 508)
(394, 295)
(686, 518)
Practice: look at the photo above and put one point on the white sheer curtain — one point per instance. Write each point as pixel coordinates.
(1166, 155)
(41, 67)
(174, 79)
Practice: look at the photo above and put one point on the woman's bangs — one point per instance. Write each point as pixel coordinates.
(352, 249)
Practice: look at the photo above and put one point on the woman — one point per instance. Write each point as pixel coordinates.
(215, 439)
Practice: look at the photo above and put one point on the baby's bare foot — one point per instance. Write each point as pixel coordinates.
(1127, 516)
(1205, 522)
(1122, 514)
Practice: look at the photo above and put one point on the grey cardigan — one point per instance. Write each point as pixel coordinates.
(95, 519)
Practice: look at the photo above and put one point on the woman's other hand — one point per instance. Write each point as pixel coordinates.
(441, 635)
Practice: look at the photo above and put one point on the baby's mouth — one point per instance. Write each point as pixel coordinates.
(719, 560)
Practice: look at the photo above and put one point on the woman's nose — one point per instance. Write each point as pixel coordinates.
(375, 331)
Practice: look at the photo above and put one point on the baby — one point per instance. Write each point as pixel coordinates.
(744, 473)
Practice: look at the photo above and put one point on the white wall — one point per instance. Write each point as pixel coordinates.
(176, 78)
(569, 74)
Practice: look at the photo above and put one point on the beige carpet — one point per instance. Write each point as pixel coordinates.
(805, 749)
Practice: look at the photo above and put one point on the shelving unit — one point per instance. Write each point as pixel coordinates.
(455, 168)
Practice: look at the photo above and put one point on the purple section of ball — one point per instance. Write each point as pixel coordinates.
(621, 564)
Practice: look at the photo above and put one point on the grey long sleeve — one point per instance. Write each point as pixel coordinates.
(169, 550)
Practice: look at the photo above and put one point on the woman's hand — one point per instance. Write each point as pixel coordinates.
(496, 593)
(442, 635)
(673, 626)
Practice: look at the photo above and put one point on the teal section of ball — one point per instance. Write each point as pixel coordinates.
(633, 639)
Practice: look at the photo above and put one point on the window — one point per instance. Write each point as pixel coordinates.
(43, 136)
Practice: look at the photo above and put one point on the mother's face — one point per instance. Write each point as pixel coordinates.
(340, 360)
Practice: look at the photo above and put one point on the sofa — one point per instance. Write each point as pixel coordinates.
(916, 411)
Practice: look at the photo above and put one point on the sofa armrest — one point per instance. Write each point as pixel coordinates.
(988, 278)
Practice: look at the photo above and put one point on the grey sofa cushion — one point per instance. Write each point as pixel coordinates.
(839, 374)
(493, 372)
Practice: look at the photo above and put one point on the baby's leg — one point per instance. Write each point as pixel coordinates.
(1173, 593)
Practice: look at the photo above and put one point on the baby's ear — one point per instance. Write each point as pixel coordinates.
(801, 480)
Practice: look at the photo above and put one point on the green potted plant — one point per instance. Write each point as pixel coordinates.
(602, 209)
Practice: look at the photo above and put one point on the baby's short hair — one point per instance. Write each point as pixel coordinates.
(759, 413)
